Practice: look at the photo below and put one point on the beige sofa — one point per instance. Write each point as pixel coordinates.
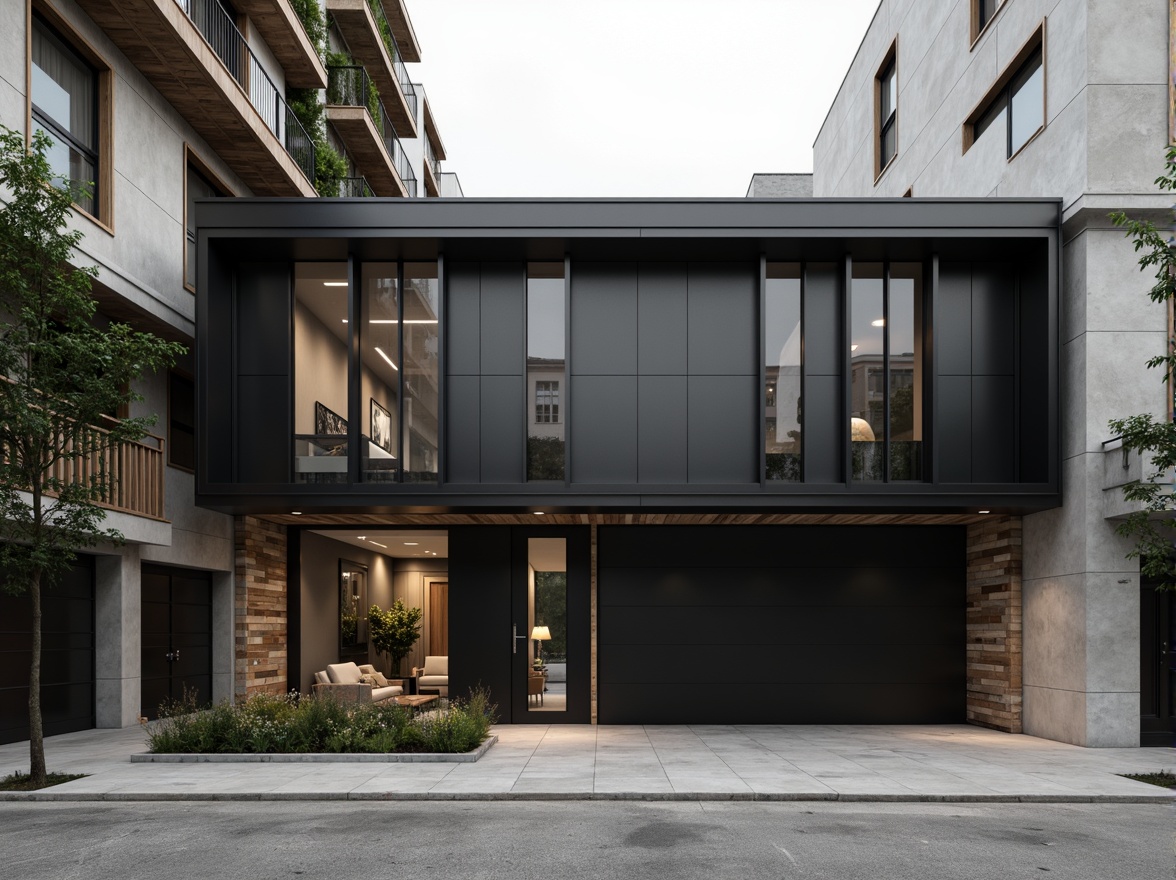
(433, 676)
(345, 682)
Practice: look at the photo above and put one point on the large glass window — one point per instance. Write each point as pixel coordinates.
(547, 624)
(545, 371)
(782, 372)
(886, 384)
(65, 107)
(422, 371)
(320, 372)
(381, 368)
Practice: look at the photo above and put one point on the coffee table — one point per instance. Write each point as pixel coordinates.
(416, 701)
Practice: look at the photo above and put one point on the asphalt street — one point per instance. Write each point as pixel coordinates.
(567, 840)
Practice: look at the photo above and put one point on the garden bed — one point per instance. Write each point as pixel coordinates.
(320, 757)
(267, 728)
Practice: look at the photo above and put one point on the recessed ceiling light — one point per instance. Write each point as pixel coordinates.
(411, 543)
(334, 284)
(986, 511)
(538, 513)
(380, 352)
(295, 513)
(879, 322)
(378, 544)
(361, 537)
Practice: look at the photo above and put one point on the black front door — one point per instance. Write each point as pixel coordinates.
(551, 608)
(177, 637)
(1157, 673)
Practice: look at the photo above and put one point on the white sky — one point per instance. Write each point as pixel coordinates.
(631, 97)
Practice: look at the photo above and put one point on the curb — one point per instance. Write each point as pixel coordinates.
(321, 758)
(47, 796)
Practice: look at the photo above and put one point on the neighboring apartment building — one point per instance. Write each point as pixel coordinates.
(160, 103)
(1046, 98)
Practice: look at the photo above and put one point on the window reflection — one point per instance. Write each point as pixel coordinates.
(422, 371)
(380, 366)
(886, 363)
(782, 372)
(547, 624)
(546, 382)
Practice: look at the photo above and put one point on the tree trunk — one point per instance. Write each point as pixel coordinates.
(36, 731)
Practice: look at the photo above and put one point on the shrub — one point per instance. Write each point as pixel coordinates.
(266, 723)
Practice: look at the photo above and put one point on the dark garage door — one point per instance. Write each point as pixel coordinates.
(67, 656)
(781, 624)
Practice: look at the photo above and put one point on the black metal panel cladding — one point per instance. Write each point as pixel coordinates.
(665, 398)
(789, 624)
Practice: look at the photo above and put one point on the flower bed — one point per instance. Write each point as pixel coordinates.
(267, 724)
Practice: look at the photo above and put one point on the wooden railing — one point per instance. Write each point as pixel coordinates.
(132, 472)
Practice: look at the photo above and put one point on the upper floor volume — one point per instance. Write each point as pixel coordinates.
(673, 355)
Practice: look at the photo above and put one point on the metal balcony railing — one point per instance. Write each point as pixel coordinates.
(221, 33)
(355, 188)
(410, 95)
(350, 86)
(431, 157)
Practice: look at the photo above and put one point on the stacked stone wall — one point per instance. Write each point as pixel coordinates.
(994, 631)
(261, 626)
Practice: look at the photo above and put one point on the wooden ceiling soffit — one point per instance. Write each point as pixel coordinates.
(358, 27)
(397, 15)
(169, 51)
(439, 520)
(366, 147)
(278, 24)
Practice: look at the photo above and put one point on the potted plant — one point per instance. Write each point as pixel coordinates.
(395, 631)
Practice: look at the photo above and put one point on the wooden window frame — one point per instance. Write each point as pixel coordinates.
(104, 85)
(976, 29)
(998, 91)
(891, 57)
(193, 159)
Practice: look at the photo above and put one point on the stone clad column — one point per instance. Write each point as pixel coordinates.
(118, 638)
(994, 624)
(260, 622)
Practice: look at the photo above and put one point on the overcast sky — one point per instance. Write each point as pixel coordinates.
(631, 97)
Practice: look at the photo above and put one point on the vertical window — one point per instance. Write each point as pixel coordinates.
(886, 372)
(886, 112)
(782, 372)
(196, 186)
(64, 93)
(545, 364)
(982, 13)
(422, 371)
(321, 342)
(547, 403)
(181, 421)
(1016, 102)
(382, 370)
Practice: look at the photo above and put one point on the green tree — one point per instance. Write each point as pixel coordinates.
(60, 375)
(395, 631)
(1151, 527)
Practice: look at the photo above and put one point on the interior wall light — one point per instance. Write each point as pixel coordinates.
(334, 284)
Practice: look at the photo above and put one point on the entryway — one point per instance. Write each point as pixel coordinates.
(177, 636)
(1157, 666)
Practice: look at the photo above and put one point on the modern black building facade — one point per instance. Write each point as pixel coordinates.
(773, 437)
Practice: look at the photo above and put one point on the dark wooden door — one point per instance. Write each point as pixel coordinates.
(1157, 666)
(177, 637)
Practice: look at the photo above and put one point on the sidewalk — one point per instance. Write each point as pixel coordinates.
(531, 762)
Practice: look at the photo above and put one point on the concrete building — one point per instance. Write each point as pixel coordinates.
(1065, 99)
(160, 103)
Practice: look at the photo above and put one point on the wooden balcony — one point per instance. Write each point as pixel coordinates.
(223, 93)
(363, 142)
(358, 27)
(279, 25)
(401, 25)
(134, 472)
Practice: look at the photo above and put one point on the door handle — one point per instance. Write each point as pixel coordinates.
(514, 642)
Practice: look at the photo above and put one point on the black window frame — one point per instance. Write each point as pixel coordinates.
(886, 117)
(183, 376)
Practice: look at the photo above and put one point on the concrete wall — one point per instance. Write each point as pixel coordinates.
(1106, 70)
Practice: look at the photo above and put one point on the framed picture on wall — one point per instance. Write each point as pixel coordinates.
(381, 427)
(327, 422)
